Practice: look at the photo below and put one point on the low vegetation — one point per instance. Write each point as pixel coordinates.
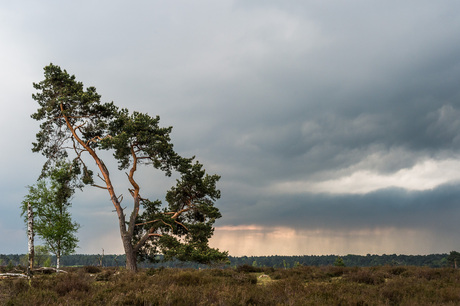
(245, 285)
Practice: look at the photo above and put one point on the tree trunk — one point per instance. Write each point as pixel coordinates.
(30, 234)
(58, 260)
(131, 261)
(126, 236)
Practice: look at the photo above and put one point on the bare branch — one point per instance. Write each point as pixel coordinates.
(153, 221)
(157, 220)
(73, 117)
(99, 176)
(181, 225)
(102, 187)
(167, 225)
(97, 138)
(79, 126)
(178, 213)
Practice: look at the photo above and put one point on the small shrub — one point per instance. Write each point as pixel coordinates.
(267, 270)
(335, 271)
(249, 269)
(431, 274)
(92, 269)
(244, 279)
(68, 282)
(15, 286)
(397, 270)
(367, 277)
(186, 278)
(221, 272)
(150, 271)
(104, 276)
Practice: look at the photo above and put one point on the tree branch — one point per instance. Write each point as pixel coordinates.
(144, 223)
(102, 168)
(156, 235)
(178, 213)
(97, 138)
(181, 225)
(134, 193)
(79, 126)
(102, 187)
(99, 176)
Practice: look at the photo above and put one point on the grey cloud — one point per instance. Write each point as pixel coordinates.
(263, 92)
(436, 210)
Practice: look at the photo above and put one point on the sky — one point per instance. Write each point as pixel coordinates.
(335, 125)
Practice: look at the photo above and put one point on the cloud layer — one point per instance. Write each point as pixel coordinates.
(328, 122)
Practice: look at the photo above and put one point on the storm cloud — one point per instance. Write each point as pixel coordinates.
(333, 120)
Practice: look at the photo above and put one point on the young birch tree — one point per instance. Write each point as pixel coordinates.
(75, 124)
(50, 202)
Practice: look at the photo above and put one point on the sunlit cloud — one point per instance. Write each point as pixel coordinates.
(426, 175)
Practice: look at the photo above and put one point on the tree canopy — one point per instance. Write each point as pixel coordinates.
(76, 125)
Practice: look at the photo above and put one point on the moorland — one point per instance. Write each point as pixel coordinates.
(243, 285)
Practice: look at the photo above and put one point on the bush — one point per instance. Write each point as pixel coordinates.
(244, 279)
(367, 277)
(92, 269)
(397, 270)
(249, 269)
(186, 278)
(71, 282)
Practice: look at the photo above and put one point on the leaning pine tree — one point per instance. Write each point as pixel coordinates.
(75, 124)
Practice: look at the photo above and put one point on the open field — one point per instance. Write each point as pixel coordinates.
(246, 285)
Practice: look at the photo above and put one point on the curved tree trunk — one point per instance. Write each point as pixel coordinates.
(126, 236)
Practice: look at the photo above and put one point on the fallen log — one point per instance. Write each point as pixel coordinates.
(48, 269)
(4, 275)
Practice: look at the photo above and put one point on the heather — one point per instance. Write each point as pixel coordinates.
(244, 285)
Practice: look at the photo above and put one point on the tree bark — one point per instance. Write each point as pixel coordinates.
(131, 261)
(30, 234)
(58, 260)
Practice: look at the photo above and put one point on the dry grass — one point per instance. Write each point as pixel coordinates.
(297, 286)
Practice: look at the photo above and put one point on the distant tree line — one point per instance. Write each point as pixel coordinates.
(433, 260)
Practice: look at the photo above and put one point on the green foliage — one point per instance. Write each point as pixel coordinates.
(454, 259)
(76, 124)
(10, 265)
(60, 94)
(47, 262)
(432, 260)
(50, 201)
(140, 132)
(42, 256)
(339, 262)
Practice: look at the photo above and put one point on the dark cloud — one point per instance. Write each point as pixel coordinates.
(437, 210)
(263, 92)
